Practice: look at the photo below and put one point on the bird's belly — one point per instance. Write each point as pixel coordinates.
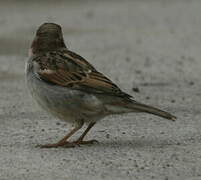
(64, 103)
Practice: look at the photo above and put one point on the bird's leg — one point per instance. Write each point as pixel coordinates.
(80, 139)
(63, 142)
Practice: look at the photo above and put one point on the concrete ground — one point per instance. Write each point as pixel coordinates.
(154, 45)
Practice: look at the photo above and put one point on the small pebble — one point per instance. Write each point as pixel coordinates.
(138, 72)
(136, 89)
(166, 178)
(191, 83)
(128, 59)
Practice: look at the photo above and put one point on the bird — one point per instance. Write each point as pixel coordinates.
(71, 89)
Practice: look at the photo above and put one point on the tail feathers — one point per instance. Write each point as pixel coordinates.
(152, 110)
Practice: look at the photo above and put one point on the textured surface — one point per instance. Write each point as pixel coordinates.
(151, 44)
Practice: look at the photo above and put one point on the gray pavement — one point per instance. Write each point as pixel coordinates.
(154, 45)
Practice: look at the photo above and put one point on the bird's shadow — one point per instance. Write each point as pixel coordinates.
(136, 143)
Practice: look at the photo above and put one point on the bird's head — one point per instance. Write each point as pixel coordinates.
(48, 37)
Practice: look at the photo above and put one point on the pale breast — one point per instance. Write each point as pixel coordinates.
(62, 102)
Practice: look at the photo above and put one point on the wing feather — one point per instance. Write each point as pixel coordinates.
(73, 71)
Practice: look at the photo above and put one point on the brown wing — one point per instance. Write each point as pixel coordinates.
(71, 70)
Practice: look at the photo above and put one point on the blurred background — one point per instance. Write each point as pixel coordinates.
(150, 48)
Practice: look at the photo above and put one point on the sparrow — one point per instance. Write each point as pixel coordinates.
(71, 89)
